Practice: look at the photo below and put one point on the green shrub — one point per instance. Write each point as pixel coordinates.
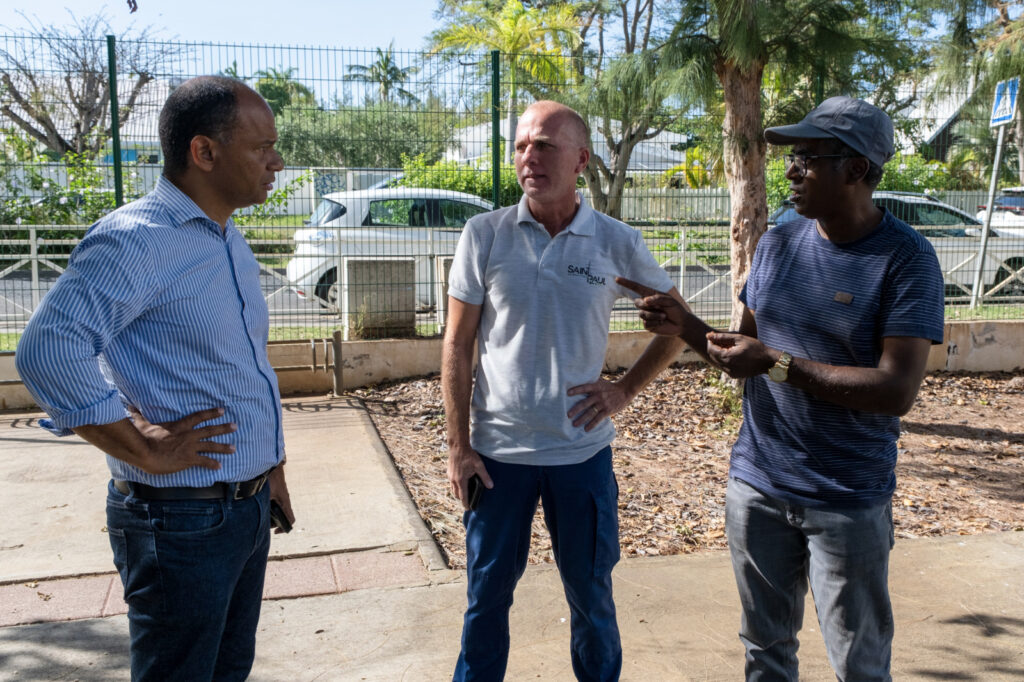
(913, 173)
(469, 178)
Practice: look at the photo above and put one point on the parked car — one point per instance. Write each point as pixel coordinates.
(956, 236)
(392, 222)
(1007, 212)
(1008, 207)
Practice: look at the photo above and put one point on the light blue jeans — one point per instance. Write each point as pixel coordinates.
(777, 548)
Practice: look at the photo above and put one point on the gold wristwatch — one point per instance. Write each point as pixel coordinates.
(779, 372)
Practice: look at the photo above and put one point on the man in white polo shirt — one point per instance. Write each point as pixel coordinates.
(534, 285)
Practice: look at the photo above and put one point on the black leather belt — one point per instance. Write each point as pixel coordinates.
(217, 491)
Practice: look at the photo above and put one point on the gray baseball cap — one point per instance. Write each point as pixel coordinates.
(862, 126)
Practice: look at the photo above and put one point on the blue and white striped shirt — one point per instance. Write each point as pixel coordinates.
(161, 309)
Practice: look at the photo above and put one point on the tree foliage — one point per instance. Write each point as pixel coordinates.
(281, 90)
(387, 75)
(736, 47)
(54, 85)
(38, 191)
(536, 42)
(536, 39)
(475, 179)
(983, 44)
(375, 135)
(629, 97)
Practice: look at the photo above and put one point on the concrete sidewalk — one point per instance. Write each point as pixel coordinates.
(359, 590)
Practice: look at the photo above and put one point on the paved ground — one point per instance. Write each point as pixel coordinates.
(359, 591)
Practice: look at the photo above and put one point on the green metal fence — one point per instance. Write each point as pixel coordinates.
(388, 153)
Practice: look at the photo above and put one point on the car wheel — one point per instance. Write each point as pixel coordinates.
(327, 290)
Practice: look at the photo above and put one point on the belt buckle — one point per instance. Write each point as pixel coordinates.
(257, 486)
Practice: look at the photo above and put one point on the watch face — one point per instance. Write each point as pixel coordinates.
(777, 374)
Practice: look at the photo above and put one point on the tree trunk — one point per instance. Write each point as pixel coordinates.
(619, 165)
(744, 161)
(598, 197)
(611, 173)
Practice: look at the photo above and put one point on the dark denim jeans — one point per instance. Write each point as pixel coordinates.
(777, 549)
(193, 579)
(582, 514)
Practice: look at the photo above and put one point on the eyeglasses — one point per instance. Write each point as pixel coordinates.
(800, 160)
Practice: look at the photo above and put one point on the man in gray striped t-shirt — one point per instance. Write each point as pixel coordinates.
(842, 307)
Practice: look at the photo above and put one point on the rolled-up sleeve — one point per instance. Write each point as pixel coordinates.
(107, 285)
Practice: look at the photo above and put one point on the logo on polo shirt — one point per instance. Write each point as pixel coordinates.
(584, 271)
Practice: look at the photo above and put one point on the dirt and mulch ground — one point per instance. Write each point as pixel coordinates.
(960, 471)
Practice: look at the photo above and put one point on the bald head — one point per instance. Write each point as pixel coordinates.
(557, 111)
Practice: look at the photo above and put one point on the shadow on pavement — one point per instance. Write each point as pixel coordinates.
(980, 662)
(87, 650)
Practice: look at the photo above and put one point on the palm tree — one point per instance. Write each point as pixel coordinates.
(387, 74)
(729, 44)
(982, 46)
(281, 90)
(536, 40)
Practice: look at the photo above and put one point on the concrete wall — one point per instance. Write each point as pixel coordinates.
(13, 395)
(980, 347)
(308, 366)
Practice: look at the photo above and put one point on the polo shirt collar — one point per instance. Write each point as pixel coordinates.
(582, 223)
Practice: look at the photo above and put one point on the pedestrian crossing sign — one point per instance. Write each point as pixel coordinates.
(1005, 104)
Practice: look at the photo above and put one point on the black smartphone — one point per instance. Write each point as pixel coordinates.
(278, 519)
(476, 489)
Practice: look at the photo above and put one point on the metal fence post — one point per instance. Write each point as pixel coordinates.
(339, 370)
(33, 250)
(115, 123)
(978, 290)
(496, 128)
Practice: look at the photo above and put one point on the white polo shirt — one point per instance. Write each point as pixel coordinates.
(546, 306)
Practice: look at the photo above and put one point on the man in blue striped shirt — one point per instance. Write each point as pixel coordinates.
(152, 347)
(842, 307)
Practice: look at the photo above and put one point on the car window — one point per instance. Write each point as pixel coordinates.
(939, 215)
(325, 212)
(398, 212)
(901, 209)
(456, 213)
(1017, 201)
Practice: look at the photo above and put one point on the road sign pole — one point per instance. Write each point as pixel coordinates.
(983, 247)
(1004, 108)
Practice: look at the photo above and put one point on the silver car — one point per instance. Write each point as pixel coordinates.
(401, 222)
(956, 236)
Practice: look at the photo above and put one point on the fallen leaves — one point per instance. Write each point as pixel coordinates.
(960, 470)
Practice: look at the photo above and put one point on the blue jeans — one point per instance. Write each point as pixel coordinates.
(581, 512)
(777, 548)
(193, 579)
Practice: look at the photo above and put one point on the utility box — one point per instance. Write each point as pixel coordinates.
(378, 297)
